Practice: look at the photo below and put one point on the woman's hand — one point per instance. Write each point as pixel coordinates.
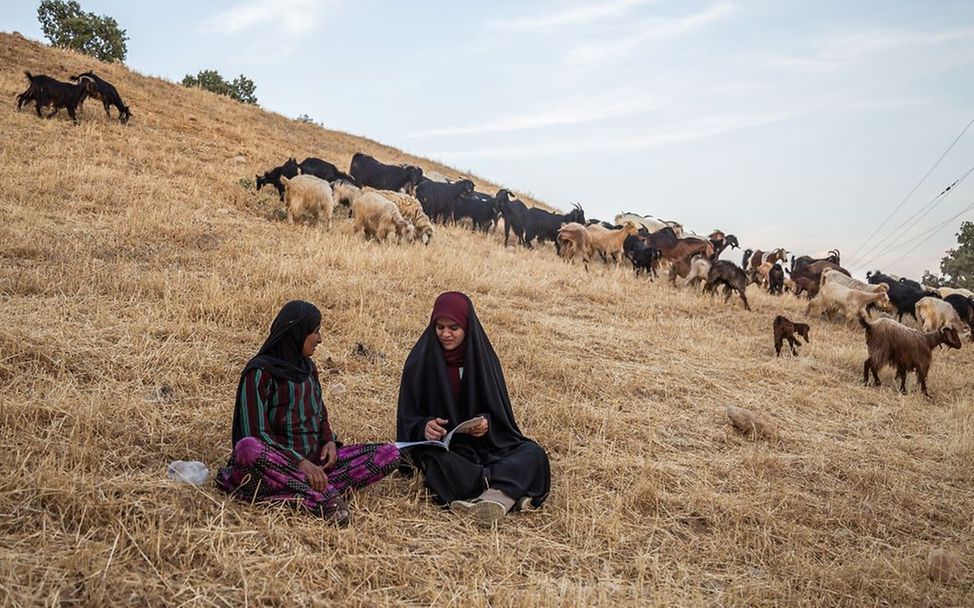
(434, 429)
(479, 429)
(328, 456)
(315, 475)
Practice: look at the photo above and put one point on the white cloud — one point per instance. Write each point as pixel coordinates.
(647, 31)
(549, 118)
(576, 15)
(292, 16)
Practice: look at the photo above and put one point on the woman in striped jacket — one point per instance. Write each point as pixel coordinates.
(283, 446)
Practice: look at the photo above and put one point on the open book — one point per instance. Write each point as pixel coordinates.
(445, 442)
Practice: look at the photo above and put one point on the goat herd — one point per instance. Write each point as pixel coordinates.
(401, 201)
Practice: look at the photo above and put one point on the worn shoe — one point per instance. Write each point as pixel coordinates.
(481, 511)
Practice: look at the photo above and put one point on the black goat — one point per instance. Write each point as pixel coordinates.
(273, 177)
(513, 211)
(480, 208)
(643, 257)
(439, 200)
(543, 226)
(731, 277)
(324, 170)
(46, 91)
(964, 306)
(903, 295)
(367, 171)
(106, 92)
(776, 280)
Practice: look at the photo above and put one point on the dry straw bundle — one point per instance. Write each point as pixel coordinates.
(132, 258)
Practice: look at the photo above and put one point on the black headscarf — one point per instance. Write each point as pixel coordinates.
(281, 355)
(425, 391)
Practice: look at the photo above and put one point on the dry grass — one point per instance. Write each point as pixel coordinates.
(131, 257)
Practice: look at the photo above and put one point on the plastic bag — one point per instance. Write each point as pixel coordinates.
(188, 471)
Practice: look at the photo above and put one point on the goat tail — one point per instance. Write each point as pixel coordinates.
(30, 76)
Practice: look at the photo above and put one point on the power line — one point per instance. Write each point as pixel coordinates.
(935, 230)
(906, 226)
(915, 188)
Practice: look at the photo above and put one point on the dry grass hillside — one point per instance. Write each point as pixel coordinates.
(131, 257)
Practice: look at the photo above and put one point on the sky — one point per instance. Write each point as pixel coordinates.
(790, 124)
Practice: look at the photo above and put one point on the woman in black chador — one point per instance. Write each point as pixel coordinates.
(453, 375)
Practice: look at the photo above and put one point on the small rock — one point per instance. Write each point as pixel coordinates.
(364, 350)
(239, 159)
(943, 565)
(749, 423)
(336, 390)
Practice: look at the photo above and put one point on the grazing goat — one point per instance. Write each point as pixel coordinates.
(776, 280)
(643, 258)
(892, 343)
(481, 209)
(830, 275)
(273, 177)
(934, 313)
(439, 200)
(903, 295)
(785, 329)
(410, 208)
(513, 211)
(731, 277)
(378, 217)
(46, 91)
(574, 239)
(965, 310)
(851, 303)
(721, 241)
(610, 243)
(324, 170)
(367, 171)
(106, 92)
(307, 196)
(805, 285)
(699, 269)
(543, 226)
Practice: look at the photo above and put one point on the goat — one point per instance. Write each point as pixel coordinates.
(851, 302)
(345, 194)
(543, 225)
(610, 243)
(46, 91)
(106, 92)
(378, 217)
(965, 310)
(574, 239)
(892, 343)
(776, 279)
(785, 329)
(903, 295)
(513, 212)
(699, 269)
(934, 313)
(273, 177)
(307, 195)
(731, 277)
(643, 258)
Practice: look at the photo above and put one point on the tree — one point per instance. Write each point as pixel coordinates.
(241, 88)
(307, 120)
(957, 266)
(66, 26)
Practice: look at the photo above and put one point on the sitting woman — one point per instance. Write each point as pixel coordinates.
(283, 446)
(451, 376)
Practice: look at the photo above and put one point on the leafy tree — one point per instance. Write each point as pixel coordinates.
(241, 88)
(66, 26)
(957, 266)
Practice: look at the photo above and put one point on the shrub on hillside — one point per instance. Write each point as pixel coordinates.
(241, 88)
(67, 26)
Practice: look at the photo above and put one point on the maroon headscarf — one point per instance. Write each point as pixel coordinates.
(453, 305)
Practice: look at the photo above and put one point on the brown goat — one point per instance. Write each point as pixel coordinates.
(906, 349)
(784, 329)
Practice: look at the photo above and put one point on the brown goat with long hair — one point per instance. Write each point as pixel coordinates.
(906, 349)
(785, 329)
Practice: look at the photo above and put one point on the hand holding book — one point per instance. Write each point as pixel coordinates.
(437, 436)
